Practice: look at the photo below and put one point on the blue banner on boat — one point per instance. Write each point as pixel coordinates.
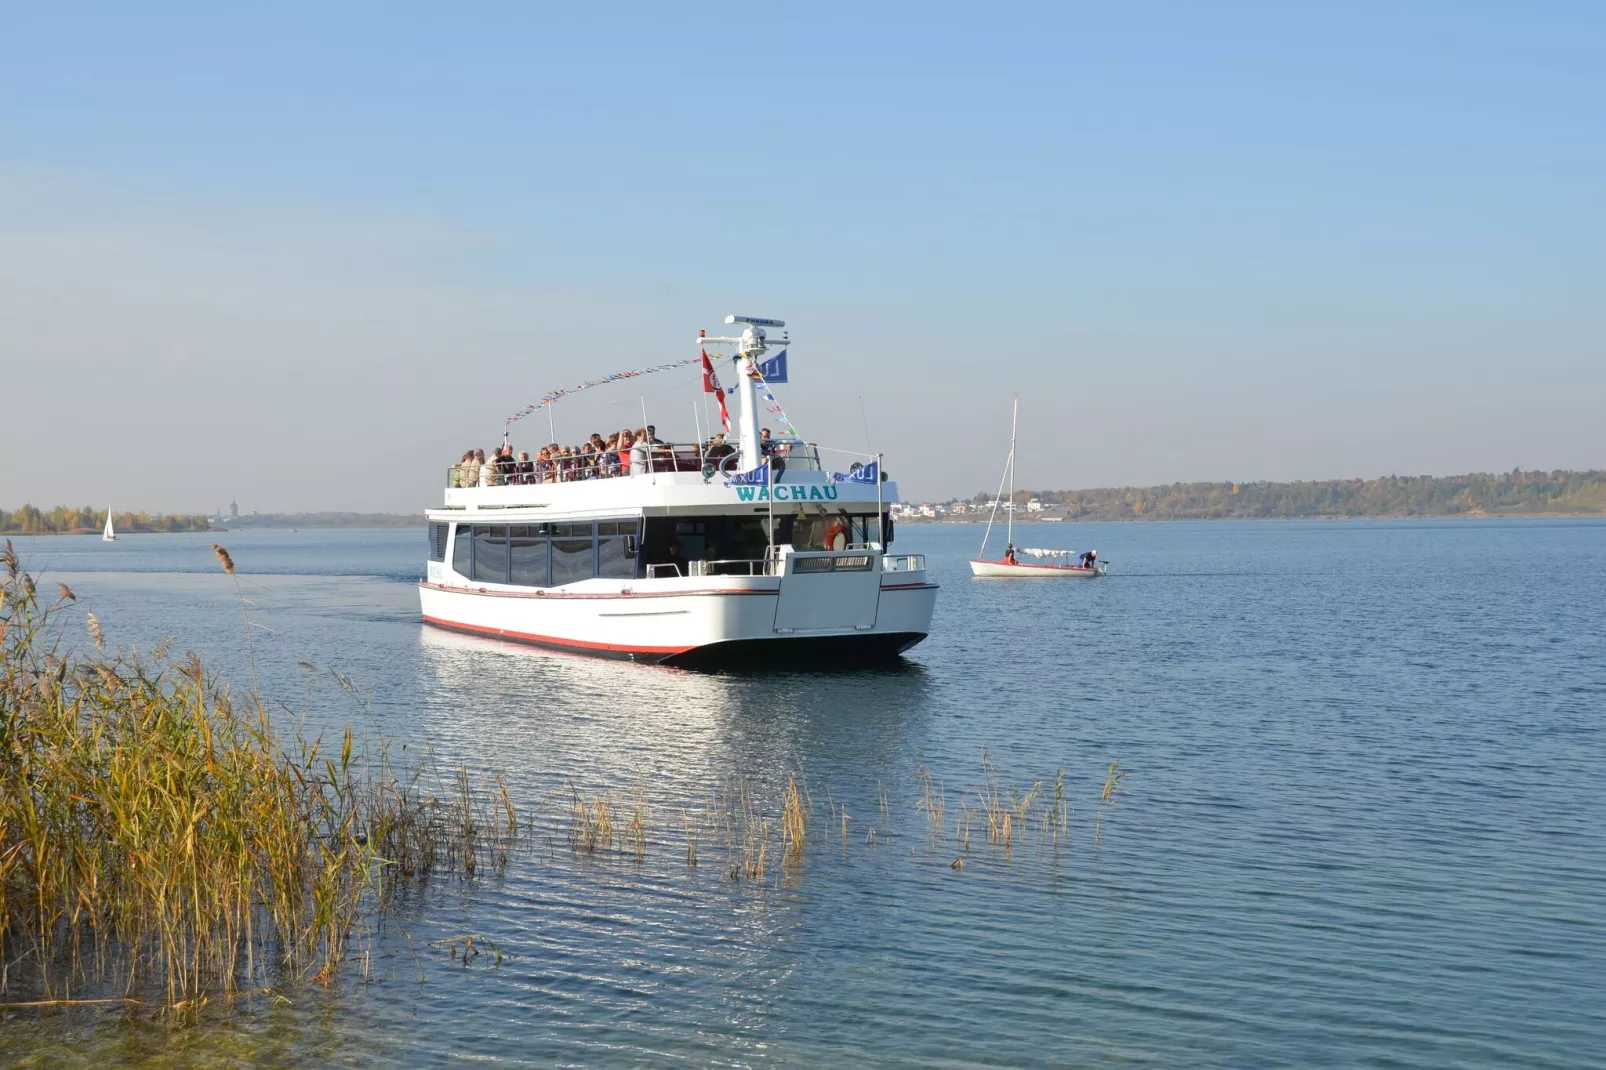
(860, 473)
(758, 477)
(774, 369)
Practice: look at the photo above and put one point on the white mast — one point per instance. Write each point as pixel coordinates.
(750, 348)
(998, 496)
(1009, 514)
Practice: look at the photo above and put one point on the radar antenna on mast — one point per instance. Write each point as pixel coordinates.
(754, 340)
(751, 345)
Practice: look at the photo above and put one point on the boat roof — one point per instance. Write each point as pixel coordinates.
(663, 494)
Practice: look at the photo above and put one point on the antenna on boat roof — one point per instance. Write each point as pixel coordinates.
(754, 340)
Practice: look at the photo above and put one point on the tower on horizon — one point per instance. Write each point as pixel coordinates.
(234, 510)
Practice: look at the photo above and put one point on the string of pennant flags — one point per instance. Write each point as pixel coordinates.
(773, 405)
(556, 395)
(777, 363)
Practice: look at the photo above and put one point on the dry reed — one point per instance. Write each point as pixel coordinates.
(159, 837)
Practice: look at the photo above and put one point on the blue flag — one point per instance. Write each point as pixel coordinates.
(758, 477)
(774, 369)
(860, 473)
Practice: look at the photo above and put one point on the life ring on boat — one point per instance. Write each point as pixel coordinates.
(836, 534)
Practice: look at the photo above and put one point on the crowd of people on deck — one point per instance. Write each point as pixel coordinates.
(624, 453)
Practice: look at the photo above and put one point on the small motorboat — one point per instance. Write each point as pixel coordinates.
(1050, 564)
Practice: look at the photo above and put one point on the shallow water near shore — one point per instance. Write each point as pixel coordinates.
(1363, 823)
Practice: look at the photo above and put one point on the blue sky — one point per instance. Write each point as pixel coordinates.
(1226, 241)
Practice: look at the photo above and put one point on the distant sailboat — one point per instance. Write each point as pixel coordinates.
(1009, 566)
(108, 535)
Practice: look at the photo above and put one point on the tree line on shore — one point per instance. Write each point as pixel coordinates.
(65, 520)
(1515, 493)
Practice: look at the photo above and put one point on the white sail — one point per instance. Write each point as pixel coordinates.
(108, 535)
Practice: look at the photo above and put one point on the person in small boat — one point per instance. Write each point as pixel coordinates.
(1009, 554)
(1087, 559)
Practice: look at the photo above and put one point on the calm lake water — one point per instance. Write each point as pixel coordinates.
(1365, 820)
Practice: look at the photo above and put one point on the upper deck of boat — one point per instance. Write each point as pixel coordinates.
(662, 492)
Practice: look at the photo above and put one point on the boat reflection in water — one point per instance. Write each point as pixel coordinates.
(548, 717)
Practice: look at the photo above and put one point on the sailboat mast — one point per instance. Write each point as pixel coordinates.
(1009, 513)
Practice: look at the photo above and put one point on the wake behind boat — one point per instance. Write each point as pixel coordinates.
(701, 555)
(1050, 564)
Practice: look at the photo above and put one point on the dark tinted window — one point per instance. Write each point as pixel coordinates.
(616, 549)
(463, 552)
(571, 553)
(437, 542)
(528, 546)
(490, 553)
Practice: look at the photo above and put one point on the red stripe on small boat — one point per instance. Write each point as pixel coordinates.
(577, 644)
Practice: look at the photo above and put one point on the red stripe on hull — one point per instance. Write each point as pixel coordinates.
(547, 592)
(553, 641)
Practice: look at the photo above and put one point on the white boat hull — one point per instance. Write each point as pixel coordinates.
(699, 621)
(1005, 570)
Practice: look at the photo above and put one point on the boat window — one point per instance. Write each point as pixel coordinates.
(813, 532)
(572, 558)
(437, 541)
(816, 532)
(527, 545)
(694, 538)
(616, 549)
(463, 552)
(750, 539)
(867, 529)
(490, 553)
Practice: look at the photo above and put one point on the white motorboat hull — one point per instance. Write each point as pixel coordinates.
(700, 621)
(1005, 570)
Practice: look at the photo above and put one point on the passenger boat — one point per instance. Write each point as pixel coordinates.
(1010, 566)
(693, 559)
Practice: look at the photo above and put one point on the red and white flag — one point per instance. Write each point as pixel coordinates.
(711, 386)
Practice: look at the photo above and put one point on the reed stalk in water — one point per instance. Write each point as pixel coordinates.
(159, 837)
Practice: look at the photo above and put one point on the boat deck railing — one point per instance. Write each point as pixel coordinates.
(794, 456)
(734, 567)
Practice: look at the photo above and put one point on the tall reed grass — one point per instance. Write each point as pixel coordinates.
(159, 840)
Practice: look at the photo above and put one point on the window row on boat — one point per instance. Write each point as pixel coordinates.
(554, 554)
